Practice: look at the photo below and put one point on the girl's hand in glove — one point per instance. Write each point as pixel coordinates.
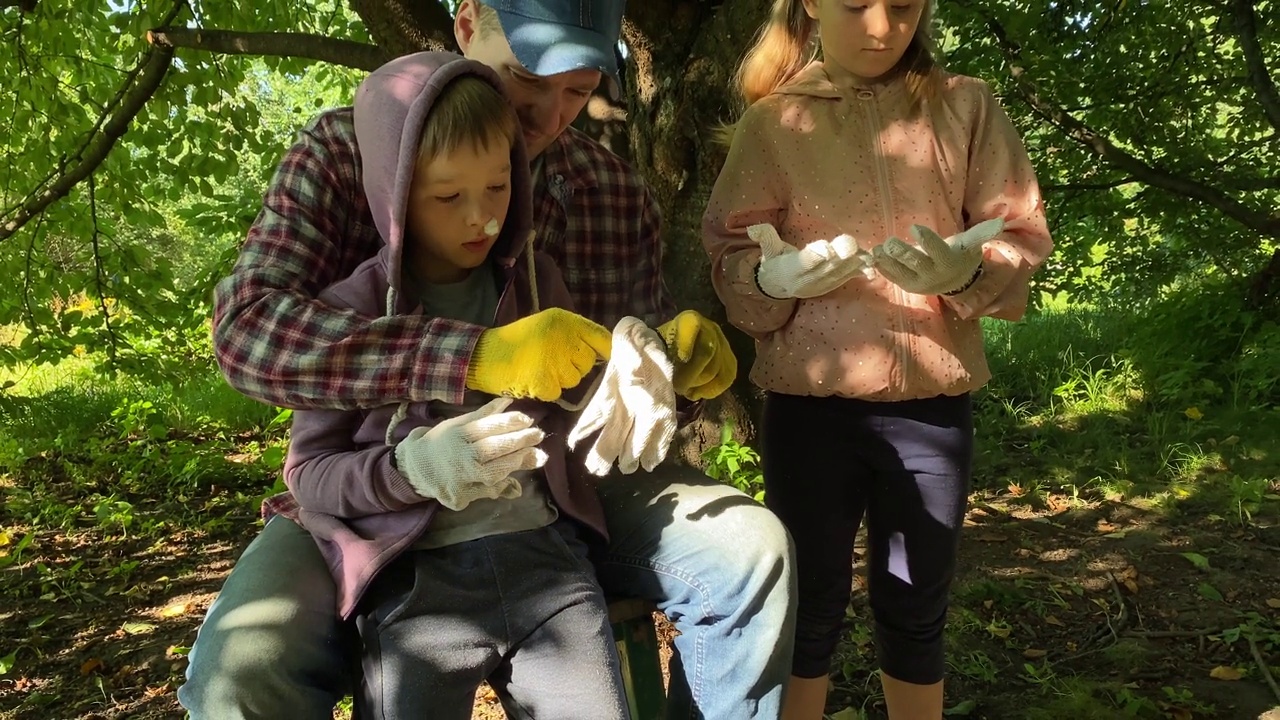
(936, 266)
(816, 269)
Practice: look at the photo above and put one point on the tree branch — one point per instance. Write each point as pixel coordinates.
(406, 26)
(114, 352)
(1102, 146)
(347, 53)
(1080, 187)
(1247, 28)
(134, 93)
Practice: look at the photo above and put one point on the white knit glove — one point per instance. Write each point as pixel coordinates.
(937, 266)
(634, 407)
(820, 267)
(471, 456)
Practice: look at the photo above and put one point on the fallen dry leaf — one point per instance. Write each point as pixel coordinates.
(988, 603)
(1106, 527)
(991, 536)
(1053, 620)
(1225, 672)
(1034, 653)
(1131, 586)
(1016, 490)
(91, 665)
(1273, 603)
(174, 610)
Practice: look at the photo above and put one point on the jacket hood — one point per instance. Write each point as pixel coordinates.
(391, 107)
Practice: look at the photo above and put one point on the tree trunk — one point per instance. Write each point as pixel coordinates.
(683, 54)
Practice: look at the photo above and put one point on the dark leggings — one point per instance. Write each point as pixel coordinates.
(906, 465)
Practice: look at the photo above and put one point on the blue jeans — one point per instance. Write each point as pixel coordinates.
(718, 564)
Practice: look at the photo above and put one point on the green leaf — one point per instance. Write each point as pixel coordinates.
(138, 628)
(1197, 559)
(1208, 591)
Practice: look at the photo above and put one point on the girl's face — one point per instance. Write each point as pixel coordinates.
(865, 38)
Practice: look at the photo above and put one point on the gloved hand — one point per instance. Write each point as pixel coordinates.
(635, 406)
(704, 363)
(538, 356)
(471, 456)
(937, 266)
(817, 269)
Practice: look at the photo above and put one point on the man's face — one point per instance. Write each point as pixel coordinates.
(545, 105)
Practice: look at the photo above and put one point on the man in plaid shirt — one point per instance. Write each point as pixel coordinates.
(715, 562)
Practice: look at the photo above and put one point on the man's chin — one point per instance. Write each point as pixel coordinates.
(535, 146)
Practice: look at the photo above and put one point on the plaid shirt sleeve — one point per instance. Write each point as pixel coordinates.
(276, 343)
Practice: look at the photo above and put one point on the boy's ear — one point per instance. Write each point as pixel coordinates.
(465, 25)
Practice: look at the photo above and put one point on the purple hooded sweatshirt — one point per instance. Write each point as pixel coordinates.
(361, 510)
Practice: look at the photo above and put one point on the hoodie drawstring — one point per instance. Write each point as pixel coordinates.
(402, 410)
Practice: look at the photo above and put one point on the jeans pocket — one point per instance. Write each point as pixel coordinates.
(565, 537)
(395, 590)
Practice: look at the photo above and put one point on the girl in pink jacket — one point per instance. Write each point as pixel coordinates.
(871, 210)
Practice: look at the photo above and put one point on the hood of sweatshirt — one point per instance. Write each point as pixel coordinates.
(391, 106)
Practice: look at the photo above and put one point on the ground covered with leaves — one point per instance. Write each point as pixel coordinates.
(1064, 609)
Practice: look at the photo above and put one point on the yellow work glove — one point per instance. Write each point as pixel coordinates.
(539, 356)
(705, 365)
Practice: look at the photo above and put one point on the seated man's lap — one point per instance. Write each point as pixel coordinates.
(272, 638)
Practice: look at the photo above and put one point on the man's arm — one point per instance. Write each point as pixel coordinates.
(276, 343)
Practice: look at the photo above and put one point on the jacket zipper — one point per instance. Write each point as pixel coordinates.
(886, 207)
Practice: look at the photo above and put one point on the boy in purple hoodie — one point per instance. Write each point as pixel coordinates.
(457, 534)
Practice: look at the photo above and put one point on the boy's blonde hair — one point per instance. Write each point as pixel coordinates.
(468, 112)
(788, 42)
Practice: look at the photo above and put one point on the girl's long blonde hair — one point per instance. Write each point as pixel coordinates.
(788, 42)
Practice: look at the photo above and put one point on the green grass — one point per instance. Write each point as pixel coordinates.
(1167, 406)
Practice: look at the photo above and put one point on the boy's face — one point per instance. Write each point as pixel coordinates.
(545, 104)
(452, 198)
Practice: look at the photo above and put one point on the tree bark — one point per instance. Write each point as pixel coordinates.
(683, 54)
(401, 27)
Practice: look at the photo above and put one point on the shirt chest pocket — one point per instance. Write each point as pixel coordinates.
(595, 279)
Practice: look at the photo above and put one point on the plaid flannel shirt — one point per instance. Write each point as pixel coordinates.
(595, 217)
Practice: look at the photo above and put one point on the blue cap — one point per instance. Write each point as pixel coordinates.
(554, 36)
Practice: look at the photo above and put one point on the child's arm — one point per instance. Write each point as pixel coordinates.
(747, 192)
(1002, 183)
(274, 342)
(328, 473)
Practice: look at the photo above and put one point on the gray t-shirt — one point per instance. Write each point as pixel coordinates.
(475, 300)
